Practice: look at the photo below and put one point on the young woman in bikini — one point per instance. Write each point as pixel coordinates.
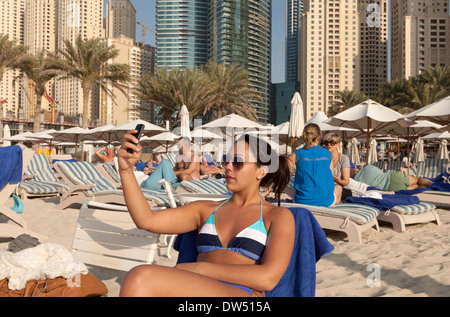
(244, 242)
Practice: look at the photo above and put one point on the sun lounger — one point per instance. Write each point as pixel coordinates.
(205, 186)
(86, 182)
(400, 216)
(109, 238)
(352, 219)
(16, 224)
(42, 180)
(380, 165)
(168, 156)
(394, 166)
(432, 168)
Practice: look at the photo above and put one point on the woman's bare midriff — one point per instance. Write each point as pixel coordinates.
(224, 256)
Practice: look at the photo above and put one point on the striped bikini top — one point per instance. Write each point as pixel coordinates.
(250, 242)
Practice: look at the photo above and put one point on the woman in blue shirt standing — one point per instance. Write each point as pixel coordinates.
(314, 184)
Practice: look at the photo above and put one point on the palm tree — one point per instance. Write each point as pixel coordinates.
(396, 94)
(232, 91)
(39, 70)
(10, 54)
(346, 99)
(175, 88)
(89, 61)
(438, 78)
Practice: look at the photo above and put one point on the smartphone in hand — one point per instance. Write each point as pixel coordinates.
(137, 135)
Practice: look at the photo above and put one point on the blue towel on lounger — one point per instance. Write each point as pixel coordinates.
(386, 203)
(299, 280)
(11, 162)
(439, 185)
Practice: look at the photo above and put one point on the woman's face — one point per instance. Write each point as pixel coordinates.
(241, 170)
(331, 145)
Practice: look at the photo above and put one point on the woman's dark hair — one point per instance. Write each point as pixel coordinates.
(278, 174)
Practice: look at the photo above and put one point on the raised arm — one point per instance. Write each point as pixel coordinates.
(170, 221)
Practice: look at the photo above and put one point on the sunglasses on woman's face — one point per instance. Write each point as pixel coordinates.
(236, 161)
(329, 142)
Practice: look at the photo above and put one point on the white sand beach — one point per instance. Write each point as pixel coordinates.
(412, 263)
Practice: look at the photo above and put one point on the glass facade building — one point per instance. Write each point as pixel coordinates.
(192, 32)
(239, 32)
(181, 33)
(294, 9)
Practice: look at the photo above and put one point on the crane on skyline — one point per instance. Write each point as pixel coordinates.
(144, 28)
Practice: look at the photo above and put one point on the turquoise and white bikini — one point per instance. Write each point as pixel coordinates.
(250, 242)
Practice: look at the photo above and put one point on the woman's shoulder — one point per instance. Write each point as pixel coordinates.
(278, 212)
(344, 157)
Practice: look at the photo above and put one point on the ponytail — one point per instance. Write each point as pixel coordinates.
(279, 179)
(310, 133)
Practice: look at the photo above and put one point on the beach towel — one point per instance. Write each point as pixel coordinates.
(11, 162)
(299, 280)
(439, 185)
(387, 202)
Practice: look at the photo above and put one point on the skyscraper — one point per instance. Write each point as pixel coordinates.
(374, 45)
(294, 10)
(12, 14)
(120, 19)
(181, 33)
(77, 17)
(232, 32)
(420, 36)
(39, 35)
(330, 54)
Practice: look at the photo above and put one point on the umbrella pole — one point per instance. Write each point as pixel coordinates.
(368, 137)
(407, 146)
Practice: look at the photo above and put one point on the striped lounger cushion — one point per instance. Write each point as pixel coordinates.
(159, 197)
(415, 209)
(432, 168)
(86, 173)
(39, 188)
(169, 156)
(360, 214)
(206, 186)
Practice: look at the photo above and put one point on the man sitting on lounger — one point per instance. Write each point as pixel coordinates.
(187, 167)
(390, 181)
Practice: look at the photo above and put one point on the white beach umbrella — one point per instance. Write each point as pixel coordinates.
(373, 157)
(75, 134)
(420, 153)
(320, 118)
(438, 111)
(297, 120)
(184, 116)
(368, 117)
(166, 140)
(106, 133)
(23, 137)
(6, 135)
(42, 136)
(231, 121)
(150, 129)
(442, 153)
(437, 136)
(230, 127)
(354, 152)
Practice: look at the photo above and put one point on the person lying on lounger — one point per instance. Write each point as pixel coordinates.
(244, 243)
(390, 181)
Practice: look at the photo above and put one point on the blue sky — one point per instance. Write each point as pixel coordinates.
(145, 10)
